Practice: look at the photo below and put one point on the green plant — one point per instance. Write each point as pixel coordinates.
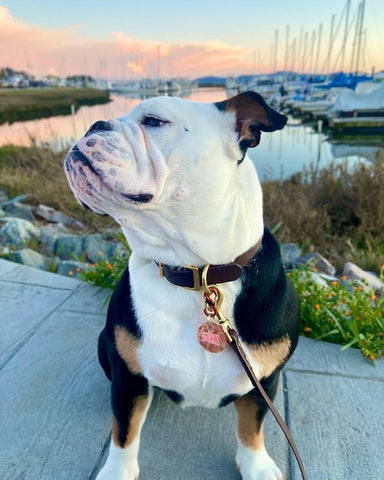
(345, 312)
(105, 273)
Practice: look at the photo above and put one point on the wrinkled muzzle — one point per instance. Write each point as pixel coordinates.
(115, 164)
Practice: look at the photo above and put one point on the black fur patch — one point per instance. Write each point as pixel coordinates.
(267, 307)
(228, 399)
(174, 396)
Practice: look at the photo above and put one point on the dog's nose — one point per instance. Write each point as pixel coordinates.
(99, 126)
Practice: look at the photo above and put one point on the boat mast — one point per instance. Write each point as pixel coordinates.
(330, 45)
(318, 48)
(275, 53)
(355, 41)
(345, 36)
(360, 37)
(286, 53)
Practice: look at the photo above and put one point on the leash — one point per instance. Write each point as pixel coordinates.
(213, 298)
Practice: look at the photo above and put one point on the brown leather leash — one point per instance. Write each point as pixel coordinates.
(194, 278)
(237, 348)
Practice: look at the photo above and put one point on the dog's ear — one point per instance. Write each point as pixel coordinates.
(253, 116)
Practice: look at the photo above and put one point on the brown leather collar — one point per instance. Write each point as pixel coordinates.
(191, 277)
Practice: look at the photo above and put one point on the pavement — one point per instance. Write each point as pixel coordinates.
(55, 414)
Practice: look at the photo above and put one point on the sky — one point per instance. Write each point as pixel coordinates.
(125, 39)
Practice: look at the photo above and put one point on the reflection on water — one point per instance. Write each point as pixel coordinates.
(279, 154)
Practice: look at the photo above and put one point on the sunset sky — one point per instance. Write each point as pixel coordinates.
(131, 39)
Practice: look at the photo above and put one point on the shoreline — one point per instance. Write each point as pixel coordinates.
(17, 105)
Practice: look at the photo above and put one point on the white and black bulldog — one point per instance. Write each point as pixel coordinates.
(175, 175)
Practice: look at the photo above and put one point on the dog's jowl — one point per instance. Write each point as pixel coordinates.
(175, 175)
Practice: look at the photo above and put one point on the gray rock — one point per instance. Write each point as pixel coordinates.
(70, 268)
(69, 247)
(42, 211)
(20, 198)
(117, 249)
(96, 248)
(29, 257)
(17, 231)
(290, 252)
(54, 216)
(3, 196)
(352, 271)
(59, 217)
(320, 263)
(49, 235)
(17, 209)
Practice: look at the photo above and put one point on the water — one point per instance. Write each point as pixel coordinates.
(279, 155)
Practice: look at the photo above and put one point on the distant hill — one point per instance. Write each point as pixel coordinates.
(211, 81)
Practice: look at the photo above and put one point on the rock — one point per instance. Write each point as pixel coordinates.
(69, 247)
(320, 263)
(42, 211)
(96, 248)
(317, 278)
(352, 271)
(117, 249)
(16, 231)
(59, 217)
(3, 196)
(49, 235)
(20, 198)
(70, 268)
(290, 252)
(4, 252)
(17, 209)
(54, 216)
(29, 257)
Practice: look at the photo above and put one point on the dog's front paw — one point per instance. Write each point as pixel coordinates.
(115, 471)
(257, 465)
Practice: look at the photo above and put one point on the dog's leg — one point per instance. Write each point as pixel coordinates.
(252, 458)
(131, 397)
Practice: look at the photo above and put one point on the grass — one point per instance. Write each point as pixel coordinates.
(28, 104)
(338, 211)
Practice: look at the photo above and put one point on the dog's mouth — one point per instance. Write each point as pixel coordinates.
(96, 187)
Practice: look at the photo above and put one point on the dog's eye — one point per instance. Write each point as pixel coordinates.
(151, 121)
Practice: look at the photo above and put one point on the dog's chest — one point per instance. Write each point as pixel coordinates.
(170, 354)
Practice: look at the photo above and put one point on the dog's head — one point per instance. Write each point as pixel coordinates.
(169, 164)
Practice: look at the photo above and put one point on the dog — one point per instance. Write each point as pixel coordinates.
(176, 177)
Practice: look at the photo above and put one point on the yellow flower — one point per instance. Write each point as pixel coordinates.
(100, 253)
(78, 269)
(373, 297)
(371, 356)
(343, 278)
(70, 273)
(316, 306)
(307, 329)
(109, 267)
(334, 283)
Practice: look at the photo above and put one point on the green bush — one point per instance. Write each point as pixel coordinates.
(346, 312)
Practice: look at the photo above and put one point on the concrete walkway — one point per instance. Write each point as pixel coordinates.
(55, 415)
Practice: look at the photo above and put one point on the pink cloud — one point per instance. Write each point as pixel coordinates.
(64, 51)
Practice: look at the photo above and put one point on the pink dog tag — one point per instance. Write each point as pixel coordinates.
(211, 337)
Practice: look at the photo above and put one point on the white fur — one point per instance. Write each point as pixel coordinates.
(256, 464)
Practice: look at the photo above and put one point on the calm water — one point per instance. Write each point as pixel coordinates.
(279, 154)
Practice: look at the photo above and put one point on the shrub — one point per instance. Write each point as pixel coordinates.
(347, 312)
